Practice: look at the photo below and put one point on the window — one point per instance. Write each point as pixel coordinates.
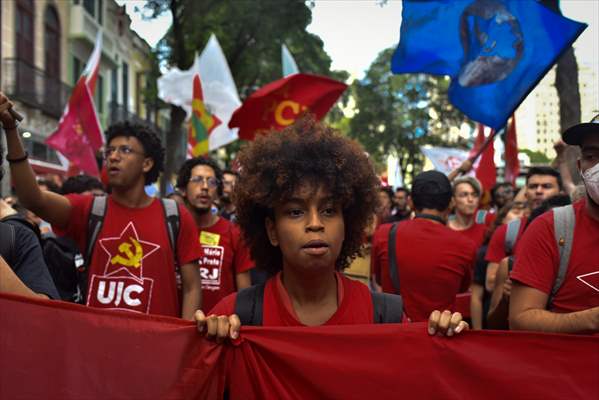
(125, 97)
(100, 12)
(24, 31)
(52, 43)
(99, 95)
(77, 68)
(114, 85)
(90, 7)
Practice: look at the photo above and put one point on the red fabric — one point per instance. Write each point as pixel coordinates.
(486, 172)
(98, 354)
(115, 282)
(280, 103)
(476, 233)
(435, 263)
(496, 249)
(478, 141)
(59, 350)
(355, 307)
(512, 164)
(221, 261)
(538, 261)
(79, 135)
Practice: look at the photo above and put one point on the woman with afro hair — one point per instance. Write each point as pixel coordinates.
(303, 199)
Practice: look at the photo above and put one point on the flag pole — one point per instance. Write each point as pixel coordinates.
(487, 142)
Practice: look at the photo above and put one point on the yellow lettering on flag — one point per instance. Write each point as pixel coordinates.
(295, 107)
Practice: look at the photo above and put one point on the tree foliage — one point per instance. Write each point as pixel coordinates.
(396, 114)
(250, 34)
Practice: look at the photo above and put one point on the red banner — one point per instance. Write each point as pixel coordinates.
(59, 350)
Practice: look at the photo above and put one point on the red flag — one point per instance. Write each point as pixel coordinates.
(485, 171)
(79, 135)
(280, 103)
(512, 164)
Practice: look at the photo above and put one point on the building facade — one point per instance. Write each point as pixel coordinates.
(44, 46)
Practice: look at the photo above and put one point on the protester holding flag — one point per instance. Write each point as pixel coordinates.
(304, 199)
(132, 265)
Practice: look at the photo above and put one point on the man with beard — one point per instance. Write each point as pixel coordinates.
(556, 271)
(132, 264)
(228, 207)
(225, 264)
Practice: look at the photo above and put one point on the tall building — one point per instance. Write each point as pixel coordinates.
(538, 117)
(44, 45)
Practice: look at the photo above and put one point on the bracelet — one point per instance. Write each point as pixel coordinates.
(18, 160)
(15, 126)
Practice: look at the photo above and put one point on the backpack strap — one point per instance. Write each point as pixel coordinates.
(393, 271)
(173, 224)
(248, 305)
(481, 216)
(7, 242)
(94, 225)
(511, 235)
(388, 308)
(564, 222)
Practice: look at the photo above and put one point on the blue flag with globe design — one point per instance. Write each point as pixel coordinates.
(495, 51)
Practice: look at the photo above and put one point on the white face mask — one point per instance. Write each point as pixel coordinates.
(590, 177)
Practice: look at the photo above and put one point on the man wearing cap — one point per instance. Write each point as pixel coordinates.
(574, 307)
(432, 262)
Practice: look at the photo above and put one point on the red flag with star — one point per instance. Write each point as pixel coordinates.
(79, 136)
(201, 123)
(278, 104)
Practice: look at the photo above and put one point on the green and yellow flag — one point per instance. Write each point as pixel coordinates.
(201, 122)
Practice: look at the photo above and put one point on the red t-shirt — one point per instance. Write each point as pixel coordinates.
(355, 304)
(496, 249)
(224, 256)
(476, 233)
(537, 261)
(435, 263)
(132, 266)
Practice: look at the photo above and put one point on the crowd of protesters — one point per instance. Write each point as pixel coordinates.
(304, 234)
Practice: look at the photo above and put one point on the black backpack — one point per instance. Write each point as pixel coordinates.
(388, 308)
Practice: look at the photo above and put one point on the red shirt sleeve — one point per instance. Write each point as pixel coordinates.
(243, 261)
(496, 249)
(188, 247)
(379, 249)
(226, 306)
(537, 260)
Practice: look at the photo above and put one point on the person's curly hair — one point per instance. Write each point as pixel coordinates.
(308, 152)
(184, 173)
(149, 139)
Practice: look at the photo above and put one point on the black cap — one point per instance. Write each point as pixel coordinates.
(432, 183)
(574, 134)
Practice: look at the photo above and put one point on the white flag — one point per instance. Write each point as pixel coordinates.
(288, 62)
(444, 159)
(220, 93)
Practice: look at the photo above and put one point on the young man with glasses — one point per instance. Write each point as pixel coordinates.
(132, 265)
(225, 264)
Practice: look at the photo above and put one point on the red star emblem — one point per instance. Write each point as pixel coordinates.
(126, 253)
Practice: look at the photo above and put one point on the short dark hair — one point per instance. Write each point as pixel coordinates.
(498, 186)
(308, 152)
(148, 138)
(543, 170)
(80, 184)
(432, 190)
(388, 190)
(185, 172)
(402, 189)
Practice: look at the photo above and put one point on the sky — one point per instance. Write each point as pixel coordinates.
(355, 31)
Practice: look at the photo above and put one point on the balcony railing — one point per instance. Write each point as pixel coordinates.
(120, 113)
(22, 81)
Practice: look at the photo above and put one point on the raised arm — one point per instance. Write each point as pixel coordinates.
(51, 207)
